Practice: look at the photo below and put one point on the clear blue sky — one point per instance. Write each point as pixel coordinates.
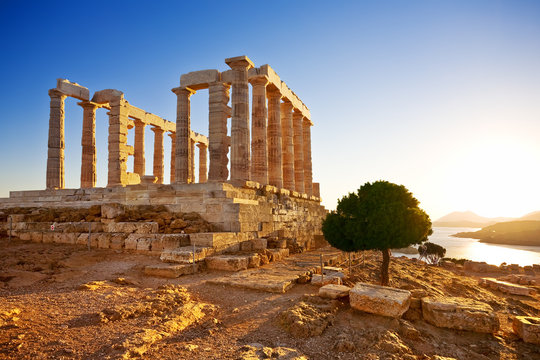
(441, 96)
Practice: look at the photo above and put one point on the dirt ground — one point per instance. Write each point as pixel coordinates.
(65, 302)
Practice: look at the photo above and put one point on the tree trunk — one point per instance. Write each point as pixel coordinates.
(384, 267)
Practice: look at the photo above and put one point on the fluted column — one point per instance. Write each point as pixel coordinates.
(308, 176)
(219, 111)
(259, 148)
(139, 161)
(192, 161)
(202, 162)
(56, 145)
(298, 152)
(275, 171)
(88, 142)
(240, 166)
(173, 155)
(158, 153)
(287, 145)
(183, 136)
(118, 122)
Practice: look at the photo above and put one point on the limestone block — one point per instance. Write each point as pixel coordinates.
(133, 179)
(380, 300)
(227, 262)
(184, 255)
(132, 227)
(144, 244)
(111, 211)
(117, 241)
(333, 291)
(528, 328)
(246, 246)
(65, 238)
(104, 240)
(276, 243)
(278, 254)
(507, 287)
(259, 244)
(198, 80)
(174, 241)
(460, 313)
(213, 239)
(107, 96)
(72, 89)
(36, 236)
(334, 278)
(131, 242)
(25, 236)
(254, 261)
(170, 271)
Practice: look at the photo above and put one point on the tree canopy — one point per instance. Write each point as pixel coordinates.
(379, 216)
(433, 253)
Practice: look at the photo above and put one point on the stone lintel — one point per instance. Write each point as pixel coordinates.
(198, 80)
(199, 138)
(107, 96)
(239, 60)
(73, 89)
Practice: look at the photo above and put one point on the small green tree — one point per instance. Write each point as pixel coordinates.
(379, 216)
(433, 253)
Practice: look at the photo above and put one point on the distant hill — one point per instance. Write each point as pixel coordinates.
(468, 219)
(531, 216)
(524, 232)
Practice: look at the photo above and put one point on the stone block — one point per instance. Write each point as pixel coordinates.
(111, 211)
(103, 240)
(72, 89)
(132, 227)
(528, 328)
(246, 246)
(36, 236)
(144, 244)
(174, 241)
(254, 261)
(198, 80)
(117, 241)
(25, 235)
(380, 300)
(213, 239)
(258, 244)
(460, 313)
(507, 287)
(107, 96)
(184, 255)
(333, 291)
(227, 262)
(131, 242)
(170, 271)
(317, 279)
(278, 254)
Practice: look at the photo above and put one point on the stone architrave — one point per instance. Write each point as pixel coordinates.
(219, 111)
(192, 162)
(158, 153)
(118, 150)
(183, 136)
(287, 145)
(203, 173)
(139, 161)
(259, 114)
(298, 152)
(308, 175)
(173, 155)
(55, 156)
(88, 142)
(240, 144)
(275, 170)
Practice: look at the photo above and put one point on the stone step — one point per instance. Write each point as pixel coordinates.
(232, 262)
(170, 270)
(184, 255)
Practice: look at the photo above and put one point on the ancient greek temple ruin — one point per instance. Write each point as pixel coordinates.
(254, 171)
(274, 150)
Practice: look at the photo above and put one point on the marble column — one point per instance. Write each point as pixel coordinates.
(183, 136)
(158, 153)
(56, 145)
(139, 161)
(173, 155)
(88, 142)
(287, 145)
(259, 114)
(240, 166)
(275, 170)
(298, 118)
(308, 176)
(219, 111)
(192, 161)
(202, 162)
(118, 128)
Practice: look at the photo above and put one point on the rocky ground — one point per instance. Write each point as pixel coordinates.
(65, 302)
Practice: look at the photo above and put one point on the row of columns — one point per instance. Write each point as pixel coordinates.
(280, 150)
(118, 150)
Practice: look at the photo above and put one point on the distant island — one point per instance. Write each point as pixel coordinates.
(470, 219)
(522, 232)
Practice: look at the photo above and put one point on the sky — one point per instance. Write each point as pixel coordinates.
(440, 96)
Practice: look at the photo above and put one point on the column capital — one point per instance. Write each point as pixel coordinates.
(172, 135)
(88, 105)
(272, 92)
(239, 62)
(287, 105)
(307, 122)
(56, 93)
(261, 80)
(201, 145)
(297, 114)
(157, 129)
(183, 91)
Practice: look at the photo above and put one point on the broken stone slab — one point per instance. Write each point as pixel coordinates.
(460, 313)
(72, 89)
(184, 255)
(331, 278)
(170, 271)
(262, 279)
(528, 328)
(107, 96)
(333, 291)
(506, 287)
(380, 300)
(227, 262)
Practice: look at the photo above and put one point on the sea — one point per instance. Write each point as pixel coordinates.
(473, 249)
